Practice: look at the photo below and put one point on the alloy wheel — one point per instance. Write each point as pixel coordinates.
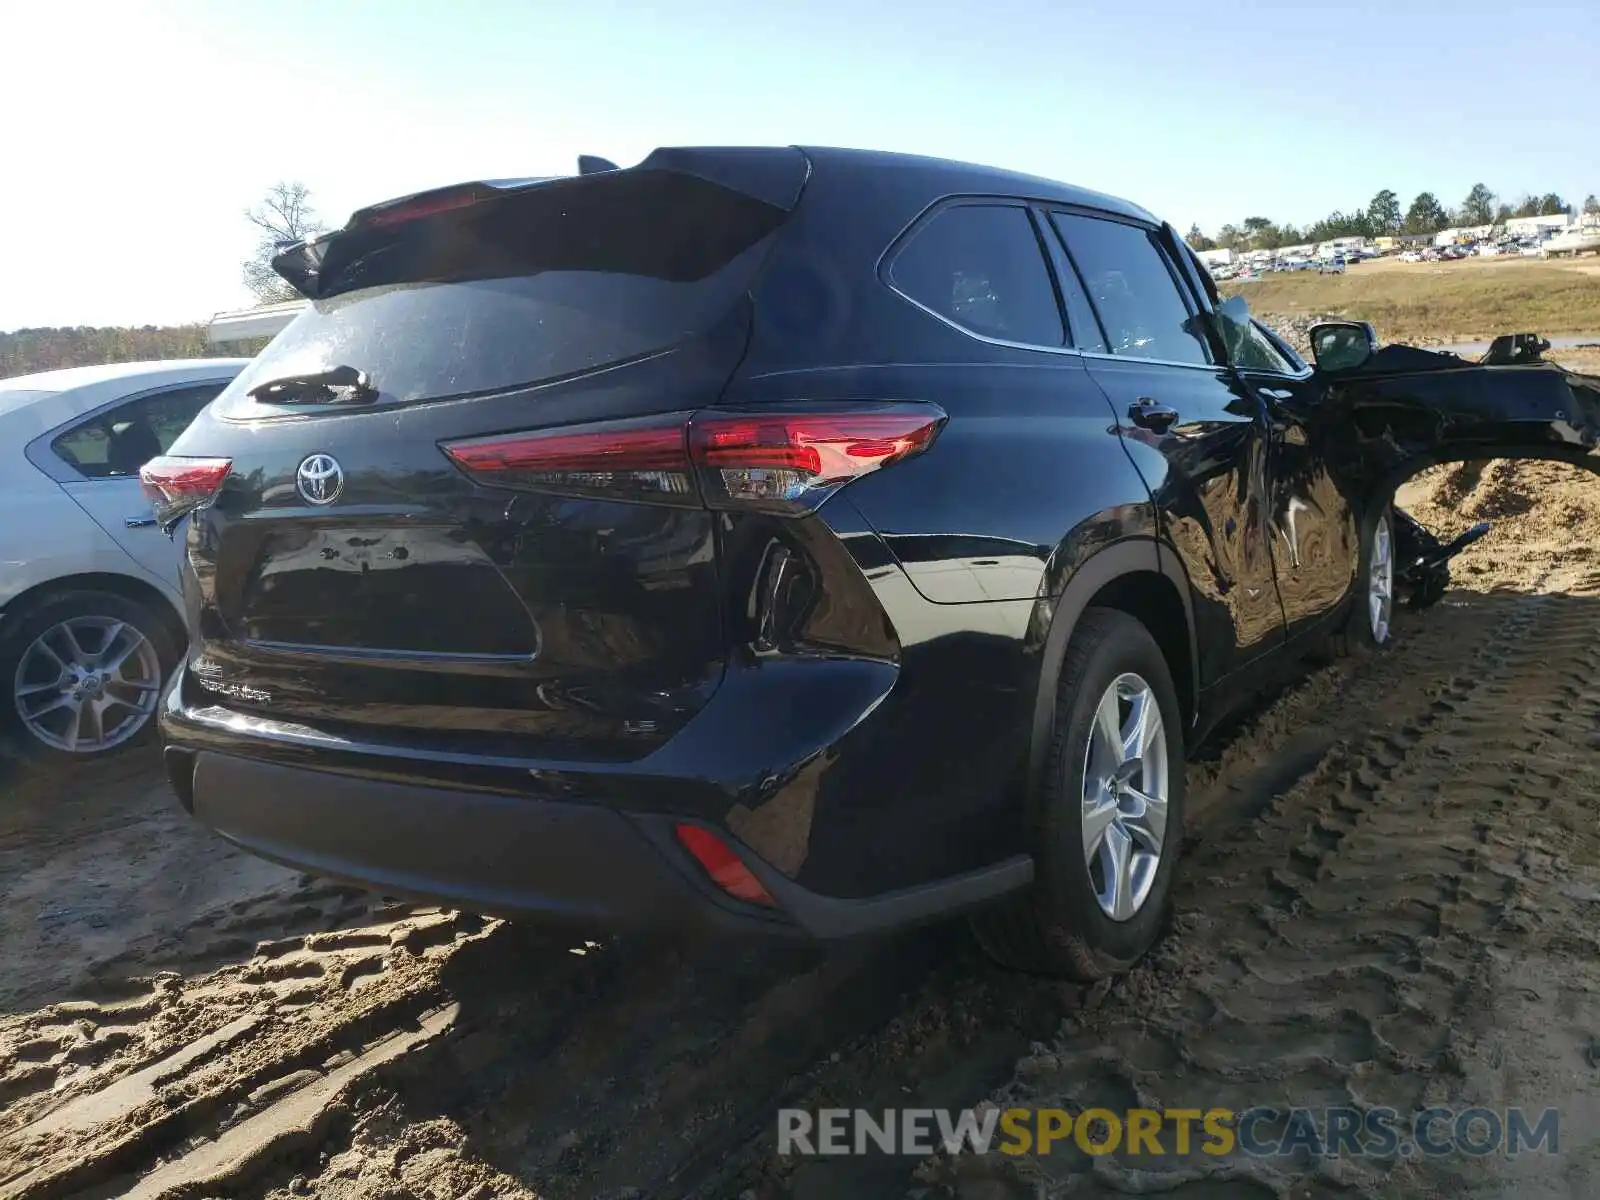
(1380, 581)
(87, 684)
(1125, 789)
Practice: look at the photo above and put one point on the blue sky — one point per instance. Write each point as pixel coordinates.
(138, 130)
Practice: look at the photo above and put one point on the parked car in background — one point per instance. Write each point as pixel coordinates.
(1331, 266)
(1576, 241)
(90, 611)
(1411, 256)
(806, 542)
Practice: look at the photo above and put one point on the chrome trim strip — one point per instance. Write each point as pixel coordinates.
(1158, 362)
(980, 337)
(402, 659)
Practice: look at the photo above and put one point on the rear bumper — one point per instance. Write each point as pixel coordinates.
(509, 856)
(593, 861)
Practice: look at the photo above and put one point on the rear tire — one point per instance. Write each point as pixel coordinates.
(1094, 811)
(97, 655)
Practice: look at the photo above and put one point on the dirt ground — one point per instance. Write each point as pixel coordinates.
(1389, 897)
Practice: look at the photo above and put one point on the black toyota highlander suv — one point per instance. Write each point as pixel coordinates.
(795, 540)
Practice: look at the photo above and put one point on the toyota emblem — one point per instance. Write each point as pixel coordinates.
(320, 479)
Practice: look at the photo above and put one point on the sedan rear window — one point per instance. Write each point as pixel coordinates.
(528, 288)
(122, 439)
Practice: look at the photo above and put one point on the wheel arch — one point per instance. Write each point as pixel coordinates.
(129, 587)
(1138, 576)
(1383, 485)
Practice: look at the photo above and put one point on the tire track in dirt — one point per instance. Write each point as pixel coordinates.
(1357, 945)
(99, 1089)
(346, 1059)
(608, 1074)
(1246, 1003)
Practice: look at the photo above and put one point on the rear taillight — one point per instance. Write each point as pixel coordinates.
(785, 460)
(719, 861)
(176, 486)
(631, 460)
(796, 459)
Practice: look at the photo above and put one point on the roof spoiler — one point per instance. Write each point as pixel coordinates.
(775, 175)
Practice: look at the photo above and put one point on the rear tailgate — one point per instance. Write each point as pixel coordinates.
(350, 576)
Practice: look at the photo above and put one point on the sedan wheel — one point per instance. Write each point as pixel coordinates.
(85, 669)
(87, 684)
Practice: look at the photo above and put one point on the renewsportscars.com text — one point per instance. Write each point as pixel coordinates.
(1334, 1132)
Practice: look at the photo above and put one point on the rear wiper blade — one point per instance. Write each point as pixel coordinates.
(318, 387)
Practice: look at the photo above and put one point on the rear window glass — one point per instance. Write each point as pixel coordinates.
(526, 289)
(980, 266)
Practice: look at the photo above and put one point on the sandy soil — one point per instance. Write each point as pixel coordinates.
(1389, 897)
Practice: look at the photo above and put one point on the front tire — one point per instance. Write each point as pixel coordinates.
(1108, 822)
(1371, 624)
(83, 672)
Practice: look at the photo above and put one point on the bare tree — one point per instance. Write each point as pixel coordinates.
(285, 216)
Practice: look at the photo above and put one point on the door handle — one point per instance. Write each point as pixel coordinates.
(138, 522)
(1148, 414)
(1277, 393)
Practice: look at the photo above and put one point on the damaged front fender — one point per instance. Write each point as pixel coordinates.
(1406, 409)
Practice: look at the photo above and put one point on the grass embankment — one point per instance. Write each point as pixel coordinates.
(1458, 301)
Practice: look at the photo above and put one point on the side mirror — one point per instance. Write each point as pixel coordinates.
(1343, 345)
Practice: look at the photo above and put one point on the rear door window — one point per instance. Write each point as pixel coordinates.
(1132, 287)
(120, 440)
(524, 289)
(980, 267)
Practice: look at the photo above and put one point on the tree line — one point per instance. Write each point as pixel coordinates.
(1383, 216)
(24, 351)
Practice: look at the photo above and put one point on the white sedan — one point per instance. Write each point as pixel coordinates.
(90, 622)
